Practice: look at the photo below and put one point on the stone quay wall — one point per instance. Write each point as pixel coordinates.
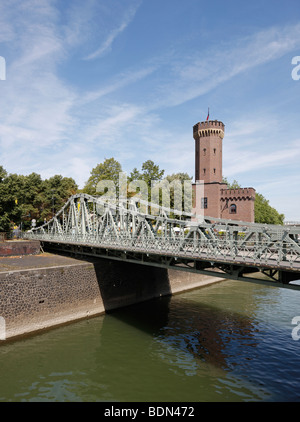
(33, 299)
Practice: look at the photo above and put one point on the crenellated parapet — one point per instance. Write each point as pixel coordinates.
(208, 128)
(237, 194)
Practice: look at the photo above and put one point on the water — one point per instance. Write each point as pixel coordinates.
(231, 341)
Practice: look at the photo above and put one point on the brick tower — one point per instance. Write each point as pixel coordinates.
(211, 196)
(208, 137)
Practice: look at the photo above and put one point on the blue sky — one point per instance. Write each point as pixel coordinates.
(89, 80)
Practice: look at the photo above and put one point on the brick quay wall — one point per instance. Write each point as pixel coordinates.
(45, 290)
(19, 247)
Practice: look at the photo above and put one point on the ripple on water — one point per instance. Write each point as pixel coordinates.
(227, 342)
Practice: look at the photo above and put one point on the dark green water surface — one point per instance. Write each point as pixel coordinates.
(231, 341)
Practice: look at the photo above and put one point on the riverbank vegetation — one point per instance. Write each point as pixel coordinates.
(27, 198)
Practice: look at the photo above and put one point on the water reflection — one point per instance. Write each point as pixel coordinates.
(230, 342)
(202, 330)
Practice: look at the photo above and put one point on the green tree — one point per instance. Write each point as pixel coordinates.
(150, 173)
(30, 199)
(177, 192)
(4, 203)
(10, 190)
(234, 185)
(23, 198)
(3, 173)
(55, 192)
(264, 213)
(108, 170)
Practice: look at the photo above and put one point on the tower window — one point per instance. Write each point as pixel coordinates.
(214, 171)
(214, 151)
(204, 171)
(204, 202)
(204, 151)
(232, 209)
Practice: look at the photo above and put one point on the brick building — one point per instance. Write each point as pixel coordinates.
(212, 197)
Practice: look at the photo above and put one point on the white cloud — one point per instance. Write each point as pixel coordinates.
(111, 127)
(121, 81)
(54, 125)
(245, 161)
(198, 76)
(254, 144)
(35, 104)
(107, 43)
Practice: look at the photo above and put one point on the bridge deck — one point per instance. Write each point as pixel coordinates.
(115, 231)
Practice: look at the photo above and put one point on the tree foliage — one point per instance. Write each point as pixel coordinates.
(24, 198)
(233, 185)
(150, 173)
(178, 192)
(108, 170)
(264, 213)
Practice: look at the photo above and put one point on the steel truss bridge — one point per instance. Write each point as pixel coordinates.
(89, 226)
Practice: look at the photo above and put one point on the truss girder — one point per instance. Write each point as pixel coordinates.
(86, 219)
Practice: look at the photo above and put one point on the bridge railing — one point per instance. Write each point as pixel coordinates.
(264, 251)
(85, 220)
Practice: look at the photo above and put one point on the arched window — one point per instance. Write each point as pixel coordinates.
(232, 209)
